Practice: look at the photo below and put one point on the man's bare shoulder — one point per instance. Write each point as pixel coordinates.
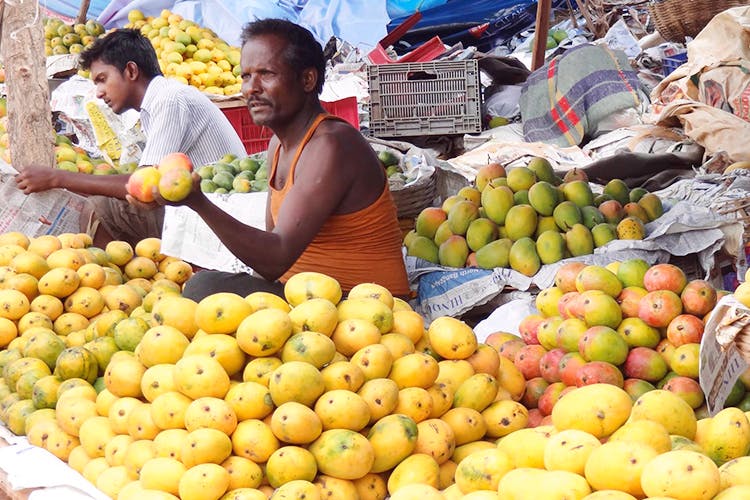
(339, 138)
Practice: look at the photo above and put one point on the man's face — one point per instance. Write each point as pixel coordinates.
(274, 91)
(112, 86)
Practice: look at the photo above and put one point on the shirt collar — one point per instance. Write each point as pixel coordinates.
(154, 88)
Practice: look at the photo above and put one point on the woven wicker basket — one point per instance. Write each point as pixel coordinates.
(677, 19)
(412, 199)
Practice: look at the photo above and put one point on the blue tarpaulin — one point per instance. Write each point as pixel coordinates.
(481, 23)
(460, 12)
(70, 8)
(360, 23)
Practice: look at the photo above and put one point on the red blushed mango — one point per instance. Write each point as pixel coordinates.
(612, 211)
(659, 308)
(664, 277)
(175, 184)
(142, 182)
(685, 329)
(527, 360)
(549, 365)
(636, 387)
(645, 364)
(575, 174)
(429, 220)
(550, 396)
(511, 348)
(629, 299)
(535, 418)
(602, 343)
(569, 365)
(565, 278)
(175, 160)
(562, 304)
(497, 339)
(698, 297)
(665, 348)
(535, 387)
(635, 210)
(599, 372)
(575, 307)
(687, 388)
(488, 172)
(528, 328)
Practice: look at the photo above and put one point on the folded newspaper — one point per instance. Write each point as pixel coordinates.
(721, 361)
(49, 212)
(685, 229)
(186, 236)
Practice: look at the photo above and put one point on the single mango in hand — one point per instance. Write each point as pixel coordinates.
(175, 160)
(141, 184)
(175, 184)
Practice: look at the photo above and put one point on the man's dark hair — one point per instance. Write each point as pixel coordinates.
(120, 47)
(302, 51)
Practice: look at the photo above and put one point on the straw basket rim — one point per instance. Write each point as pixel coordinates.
(677, 19)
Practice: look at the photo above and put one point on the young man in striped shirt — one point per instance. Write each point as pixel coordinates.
(174, 117)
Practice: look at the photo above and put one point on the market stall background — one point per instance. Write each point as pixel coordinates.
(703, 230)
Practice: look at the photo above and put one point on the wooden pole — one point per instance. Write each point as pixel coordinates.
(83, 11)
(572, 14)
(540, 33)
(29, 113)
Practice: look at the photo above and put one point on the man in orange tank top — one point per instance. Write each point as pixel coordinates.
(329, 207)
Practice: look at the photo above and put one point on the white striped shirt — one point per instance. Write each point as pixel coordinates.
(178, 118)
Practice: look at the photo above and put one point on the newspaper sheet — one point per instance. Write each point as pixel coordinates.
(50, 212)
(685, 229)
(720, 367)
(186, 236)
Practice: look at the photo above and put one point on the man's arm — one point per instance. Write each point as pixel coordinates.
(34, 179)
(317, 192)
(628, 165)
(272, 145)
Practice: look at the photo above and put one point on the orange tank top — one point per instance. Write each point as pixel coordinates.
(360, 247)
